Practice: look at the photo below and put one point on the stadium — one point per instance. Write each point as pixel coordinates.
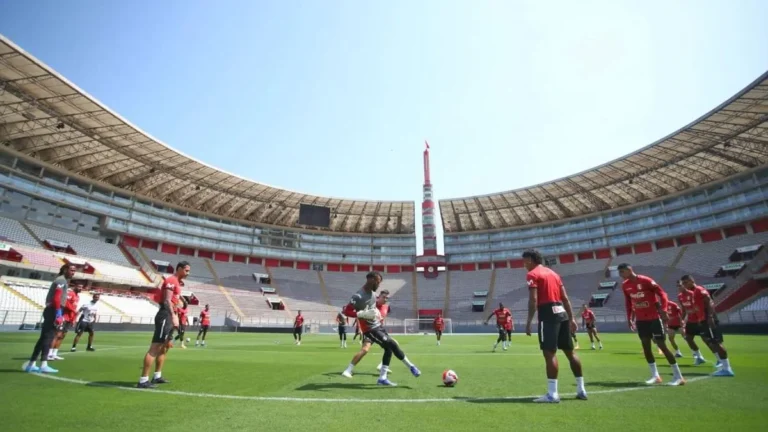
(81, 185)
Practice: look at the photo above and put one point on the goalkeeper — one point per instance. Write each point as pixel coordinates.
(363, 306)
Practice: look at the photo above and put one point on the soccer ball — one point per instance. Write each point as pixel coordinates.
(187, 340)
(450, 378)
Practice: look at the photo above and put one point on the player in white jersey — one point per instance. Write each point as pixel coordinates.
(89, 313)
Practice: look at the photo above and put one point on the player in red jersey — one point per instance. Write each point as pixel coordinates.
(674, 325)
(548, 299)
(501, 315)
(205, 323)
(439, 326)
(588, 320)
(298, 328)
(70, 318)
(646, 304)
(165, 321)
(383, 306)
(702, 321)
(509, 327)
(183, 312)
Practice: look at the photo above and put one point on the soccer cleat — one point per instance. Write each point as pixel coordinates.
(30, 367)
(548, 398)
(505, 348)
(415, 371)
(386, 382)
(160, 380)
(73, 349)
(94, 349)
(54, 358)
(654, 380)
(677, 382)
(145, 385)
(679, 355)
(346, 374)
(719, 364)
(724, 373)
(48, 369)
(581, 395)
(699, 361)
(601, 346)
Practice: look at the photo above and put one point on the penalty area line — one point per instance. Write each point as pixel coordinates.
(336, 400)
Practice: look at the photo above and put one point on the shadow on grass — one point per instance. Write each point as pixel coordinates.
(348, 386)
(131, 384)
(616, 384)
(499, 400)
(12, 371)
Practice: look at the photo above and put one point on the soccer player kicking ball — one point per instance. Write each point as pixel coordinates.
(363, 306)
(439, 326)
(547, 295)
(165, 321)
(501, 321)
(646, 305)
(52, 317)
(383, 307)
(703, 321)
(588, 321)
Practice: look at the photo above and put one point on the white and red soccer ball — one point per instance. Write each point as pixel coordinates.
(450, 378)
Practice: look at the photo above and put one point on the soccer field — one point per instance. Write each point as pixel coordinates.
(264, 382)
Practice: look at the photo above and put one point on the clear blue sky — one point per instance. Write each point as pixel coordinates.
(336, 98)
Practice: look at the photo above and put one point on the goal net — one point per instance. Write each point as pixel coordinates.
(425, 325)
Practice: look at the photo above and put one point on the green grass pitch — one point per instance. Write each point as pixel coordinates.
(264, 382)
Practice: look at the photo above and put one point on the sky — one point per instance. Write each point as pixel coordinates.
(337, 98)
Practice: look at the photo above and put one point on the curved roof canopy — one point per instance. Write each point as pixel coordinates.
(731, 139)
(48, 118)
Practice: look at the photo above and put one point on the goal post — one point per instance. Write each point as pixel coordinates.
(425, 325)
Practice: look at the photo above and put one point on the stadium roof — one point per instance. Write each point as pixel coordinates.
(46, 117)
(731, 139)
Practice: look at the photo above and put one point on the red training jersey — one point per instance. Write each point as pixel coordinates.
(588, 316)
(439, 324)
(508, 323)
(675, 314)
(383, 311)
(183, 315)
(205, 317)
(547, 284)
(70, 306)
(299, 321)
(694, 301)
(501, 315)
(641, 295)
(173, 284)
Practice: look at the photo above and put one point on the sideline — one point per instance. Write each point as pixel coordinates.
(337, 400)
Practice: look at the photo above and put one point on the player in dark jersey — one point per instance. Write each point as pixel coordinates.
(646, 305)
(588, 320)
(298, 328)
(341, 321)
(501, 314)
(165, 321)
(383, 307)
(363, 305)
(52, 317)
(703, 321)
(70, 318)
(548, 299)
(439, 325)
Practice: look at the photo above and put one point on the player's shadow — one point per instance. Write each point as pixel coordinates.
(129, 384)
(348, 386)
(336, 374)
(499, 400)
(12, 371)
(616, 384)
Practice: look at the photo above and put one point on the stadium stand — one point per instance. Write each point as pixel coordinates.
(199, 272)
(760, 304)
(431, 291)
(510, 289)
(300, 290)
(92, 247)
(39, 257)
(463, 286)
(707, 258)
(12, 230)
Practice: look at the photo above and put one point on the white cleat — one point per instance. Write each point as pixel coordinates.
(547, 398)
(677, 382)
(654, 380)
(346, 374)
